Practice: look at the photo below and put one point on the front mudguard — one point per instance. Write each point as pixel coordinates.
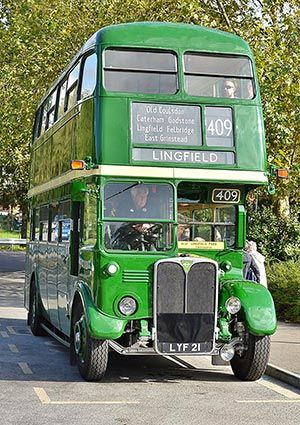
(257, 305)
(100, 325)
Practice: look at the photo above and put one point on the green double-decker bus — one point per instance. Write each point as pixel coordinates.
(143, 152)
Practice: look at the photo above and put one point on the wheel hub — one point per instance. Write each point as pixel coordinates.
(77, 337)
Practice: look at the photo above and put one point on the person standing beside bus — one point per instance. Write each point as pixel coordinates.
(257, 261)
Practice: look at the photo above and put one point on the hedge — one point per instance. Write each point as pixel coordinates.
(284, 285)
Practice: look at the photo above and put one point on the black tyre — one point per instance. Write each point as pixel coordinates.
(34, 314)
(91, 353)
(252, 363)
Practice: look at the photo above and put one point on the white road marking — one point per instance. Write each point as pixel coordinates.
(13, 348)
(268, 401)
(291, 395)
(25, 368)
(42, 395)
(11, 330)
(15, 313)
(280, 389)
(108, 402)
(45, 399)
(4, 334)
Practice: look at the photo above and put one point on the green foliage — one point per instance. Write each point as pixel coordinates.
(284, 284)
(277, 238)
(6, 234)
(41, 36)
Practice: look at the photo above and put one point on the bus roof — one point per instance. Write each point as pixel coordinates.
(171, 36)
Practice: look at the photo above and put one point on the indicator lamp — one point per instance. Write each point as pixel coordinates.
(226, 266)
(111, 269)
(77, 164)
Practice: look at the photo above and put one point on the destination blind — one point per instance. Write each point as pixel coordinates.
(180, 127)
(162, 124)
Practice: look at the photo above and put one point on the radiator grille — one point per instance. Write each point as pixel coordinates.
(185, 305)
(135, 276)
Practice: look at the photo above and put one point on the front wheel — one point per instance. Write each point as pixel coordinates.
(251, 364)
(91, 354)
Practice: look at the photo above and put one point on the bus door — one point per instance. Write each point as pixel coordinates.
(63, 265)
(42, 256)
(52, 264)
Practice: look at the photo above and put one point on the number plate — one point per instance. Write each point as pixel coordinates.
(226, 196)
(188, 347)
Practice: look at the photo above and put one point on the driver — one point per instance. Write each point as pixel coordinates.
(139, 205)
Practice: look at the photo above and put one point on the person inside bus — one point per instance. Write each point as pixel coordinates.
(229, 89)
(138, 204)
(183, 232)
(136, 235)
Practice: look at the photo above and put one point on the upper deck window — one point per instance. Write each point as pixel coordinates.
(48, 116)
(218, 76)
(89, 76)
(140, 71)
(71, 93)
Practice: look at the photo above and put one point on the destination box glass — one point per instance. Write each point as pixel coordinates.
(163, 124)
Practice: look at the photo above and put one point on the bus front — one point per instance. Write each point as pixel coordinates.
(180, 142)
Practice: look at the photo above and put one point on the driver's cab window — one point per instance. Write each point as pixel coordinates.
(137, 216)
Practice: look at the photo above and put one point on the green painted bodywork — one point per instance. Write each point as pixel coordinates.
(100, 325)
(257, 304)
(99, 127)
(248, 121)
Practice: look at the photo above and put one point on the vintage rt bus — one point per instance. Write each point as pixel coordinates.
(143, 152)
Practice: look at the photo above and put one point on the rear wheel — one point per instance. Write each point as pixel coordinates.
(251, 364)
(34, 315)
(91, 354)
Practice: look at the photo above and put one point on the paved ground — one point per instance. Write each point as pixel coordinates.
(285, 347)
(38, 386)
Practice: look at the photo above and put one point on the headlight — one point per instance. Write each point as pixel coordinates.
(111, 269)
(127, 306)
(233, 305)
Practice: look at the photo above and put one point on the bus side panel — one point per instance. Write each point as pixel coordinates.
(249, 138)
(115, 131)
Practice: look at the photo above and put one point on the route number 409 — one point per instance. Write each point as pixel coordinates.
(231, 196)
(219, 127)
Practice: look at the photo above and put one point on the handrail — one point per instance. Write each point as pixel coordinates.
(12, 241)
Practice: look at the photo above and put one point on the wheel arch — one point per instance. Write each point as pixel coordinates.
(100, 324)
(257, 306)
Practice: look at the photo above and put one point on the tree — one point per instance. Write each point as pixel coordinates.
(41, 36)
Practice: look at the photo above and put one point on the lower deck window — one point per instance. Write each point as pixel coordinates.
(207, 223)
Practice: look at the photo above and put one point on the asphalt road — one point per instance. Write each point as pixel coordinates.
(38, 386)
